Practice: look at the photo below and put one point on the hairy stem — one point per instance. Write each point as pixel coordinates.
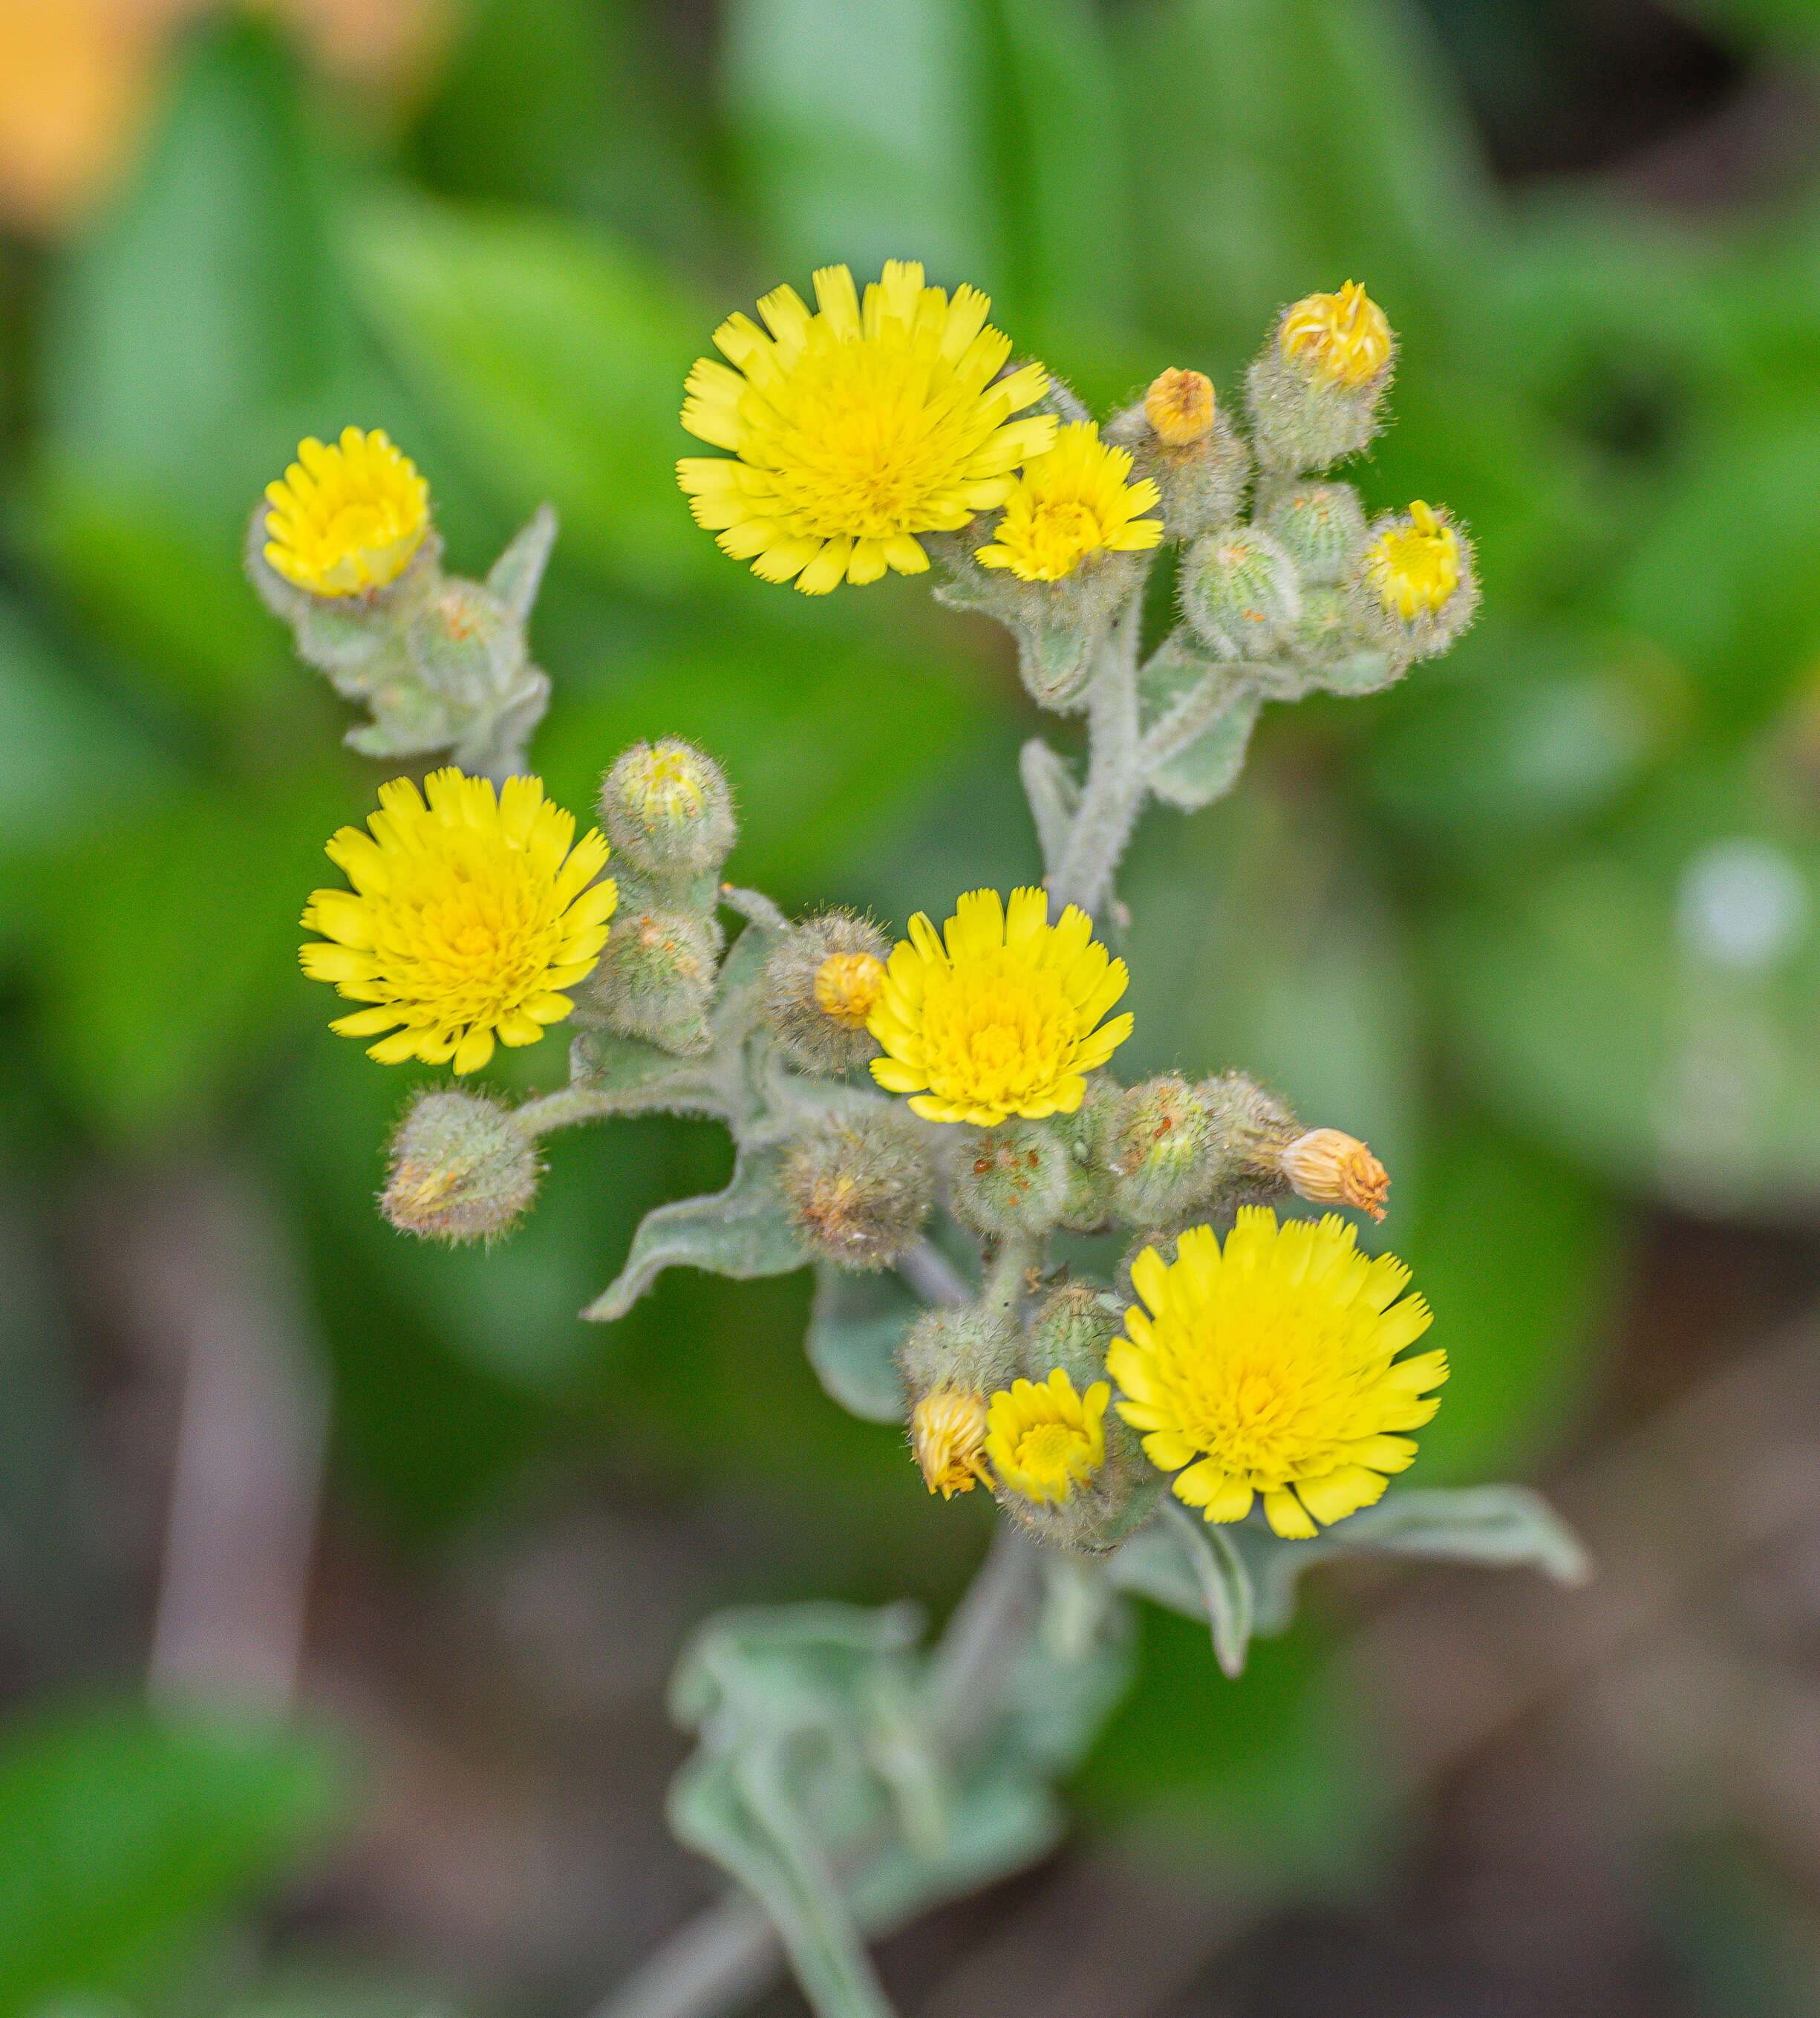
(1113, 794)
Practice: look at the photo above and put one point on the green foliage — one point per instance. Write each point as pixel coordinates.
(126, 1831)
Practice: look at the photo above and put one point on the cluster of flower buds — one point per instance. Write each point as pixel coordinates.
(668, 813)
(343, 548)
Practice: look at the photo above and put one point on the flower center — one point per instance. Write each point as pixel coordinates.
(469, 940)
(995, 1031)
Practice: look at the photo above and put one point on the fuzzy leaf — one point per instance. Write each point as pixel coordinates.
(743, 1232)
(651, 1080)
(856, 1325)
(1194, 1568)
(1178, 676)
(516, 574)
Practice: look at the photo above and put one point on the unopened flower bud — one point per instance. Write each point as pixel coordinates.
(820, 985)
(656, 978)
(1239, 592)
(1313, 391)
(1321, 526)
(948, 1439)
(1163, 1152)
(859, 1187)
(1179, 406)
(461, 1169)
(668, 809)
(1415, 583)
(1071, 1330)
(972, 1348)
(1327, 1167)
(1034, 1176)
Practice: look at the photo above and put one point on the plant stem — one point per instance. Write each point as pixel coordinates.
(1113, 794)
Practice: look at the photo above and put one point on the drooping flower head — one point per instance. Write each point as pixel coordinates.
(1043, 1442)
(347, 518)
(1344, 338)
(1001, 1019)
(854, 429)
(1415, 564)
(1069, 503)
(1271, 1368)
(948, 1439)
(468, 915)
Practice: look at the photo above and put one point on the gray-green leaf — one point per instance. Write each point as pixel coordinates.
(856, 1325)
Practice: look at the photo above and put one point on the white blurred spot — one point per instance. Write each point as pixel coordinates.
(1743, 904)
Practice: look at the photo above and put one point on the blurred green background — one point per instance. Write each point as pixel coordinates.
(1539, 923)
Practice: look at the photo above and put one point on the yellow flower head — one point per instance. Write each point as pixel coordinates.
(1415, 566)
(847, 986)
(1179, 406)
(1072, 502)
(948, 1439)
(853, 430)
(1344, 338)
(999, 1020)
(1043, 1442)
(1272, 1368)
(347, 518)
(466, 917)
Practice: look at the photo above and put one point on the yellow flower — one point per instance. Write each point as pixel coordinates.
(1043, 1442)
(347, 518)
(948, 1439)
(1001, 1020)
(1415, 566)
(852, 431)
(1344, 338)
(846, 986)
(1072, 502)
(465, 919)
(1272, 1368)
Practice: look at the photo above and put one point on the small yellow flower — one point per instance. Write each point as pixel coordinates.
(467, 915)
(999, 1020)
(853, 430)
(347, 518)
(1070, 503)
(1344, 338)
(1272, 1368)
(948, 1439)
(1043, 1442)
(847, 986)
(1415, 566)
(1179, 406)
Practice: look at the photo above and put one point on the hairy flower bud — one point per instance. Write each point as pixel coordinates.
(461, 1169)
(1163, 1152)
(668, 809)
(1313, 391)
(1071, 1330)
(1181, 440)
(656, 977)
(1239, 592)
(973, 1349)
(820, 984)
(1327, 1167)
(860, 1186)
(1034, 1176)
(947, 1439)
(1321, 526)
(1415, 585)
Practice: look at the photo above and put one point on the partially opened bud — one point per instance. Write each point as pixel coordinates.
(1342, 339)
(1179, 406)
(1415, 583)
(460, 1169)
(1314, 389)
(860, 1186)
(1327, 1167)
(1180, 438)
(820, 983)
(668, 809)
(948, 1439)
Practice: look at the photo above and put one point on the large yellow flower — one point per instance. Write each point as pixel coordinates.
(347, 518)
(1001, 1020)
(853, 430)
(1071, 503)
(1272, 1368)
(465, 919)
(1044, 1441)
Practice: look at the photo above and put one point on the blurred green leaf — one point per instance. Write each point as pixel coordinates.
(205, 297)
(856, 1325)
(555, 359)
(1281, 145)
(124, 1831)
(863, 133)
